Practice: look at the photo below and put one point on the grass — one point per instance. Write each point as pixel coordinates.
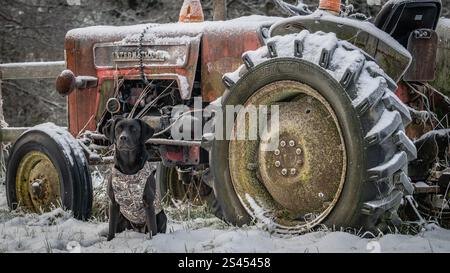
(100, 198)
(177, 211)
(48, 246)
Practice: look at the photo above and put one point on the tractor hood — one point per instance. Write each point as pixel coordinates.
(173, 51)
(165, 46)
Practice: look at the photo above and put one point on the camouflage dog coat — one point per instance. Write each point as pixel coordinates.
(129, 192)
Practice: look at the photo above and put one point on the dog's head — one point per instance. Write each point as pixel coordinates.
(127, 134)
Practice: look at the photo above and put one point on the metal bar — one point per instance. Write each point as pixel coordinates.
(32, 70)
(2, 118)
(156, 141)
(104, 161)
(11, 134)
(163, 141)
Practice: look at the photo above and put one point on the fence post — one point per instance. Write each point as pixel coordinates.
(3, 124)
(220, 10)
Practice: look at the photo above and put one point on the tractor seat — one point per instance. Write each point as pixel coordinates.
(399, 18)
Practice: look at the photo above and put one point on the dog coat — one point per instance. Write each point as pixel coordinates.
(129, 192)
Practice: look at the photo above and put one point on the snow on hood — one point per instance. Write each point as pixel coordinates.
(193, 29)
(171, 29)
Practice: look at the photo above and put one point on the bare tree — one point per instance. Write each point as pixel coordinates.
(220, 10)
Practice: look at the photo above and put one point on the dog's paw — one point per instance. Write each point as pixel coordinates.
(110, 237)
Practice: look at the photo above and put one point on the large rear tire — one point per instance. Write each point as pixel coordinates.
(46, 169)
(369, 120)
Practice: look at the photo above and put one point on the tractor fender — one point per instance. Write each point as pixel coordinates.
(390, 55)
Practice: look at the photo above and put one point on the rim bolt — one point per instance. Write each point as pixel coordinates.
(282, 143)
(277, 152)
(277, 164)
(252, 166)
(298, 151)
(293, 171)
(291, 143)
(284, 172)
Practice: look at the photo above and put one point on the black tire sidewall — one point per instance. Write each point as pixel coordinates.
(347, 209)
(163, 174)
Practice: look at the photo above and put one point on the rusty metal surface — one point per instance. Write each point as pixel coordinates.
(65, 82)
(222, 46)
(38, 185)
(304, 181)
(422, 44)
(79, 43)
(392, 57)
(221, 53)
(191, 11)
(442, 80)
(83, 105)
(300, 182)
(422, 98)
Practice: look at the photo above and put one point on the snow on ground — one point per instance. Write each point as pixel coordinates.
(57, 231)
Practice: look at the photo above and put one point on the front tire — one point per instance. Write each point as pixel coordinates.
(370, 120)
(47, 168)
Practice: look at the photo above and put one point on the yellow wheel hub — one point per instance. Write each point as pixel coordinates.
(38, 184)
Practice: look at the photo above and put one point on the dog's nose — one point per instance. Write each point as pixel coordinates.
(122, 137)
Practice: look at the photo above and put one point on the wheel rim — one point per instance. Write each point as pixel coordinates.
(195, 192)
(296, 186)
(38, 186)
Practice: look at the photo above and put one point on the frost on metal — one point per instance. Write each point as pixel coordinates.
(171, 30)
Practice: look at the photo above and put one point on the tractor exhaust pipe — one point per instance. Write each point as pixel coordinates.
(191, 12)
(333, 6)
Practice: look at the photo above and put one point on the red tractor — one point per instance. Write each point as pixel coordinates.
(346, 89)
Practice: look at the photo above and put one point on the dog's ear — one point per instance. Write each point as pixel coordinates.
(146, 131)
(110, 128)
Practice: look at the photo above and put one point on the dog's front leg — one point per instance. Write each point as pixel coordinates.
(149, 198)
(114, 212)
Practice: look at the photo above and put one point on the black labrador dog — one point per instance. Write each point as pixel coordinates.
(132, 186)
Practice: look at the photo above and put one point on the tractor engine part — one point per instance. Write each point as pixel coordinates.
(113, 105)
